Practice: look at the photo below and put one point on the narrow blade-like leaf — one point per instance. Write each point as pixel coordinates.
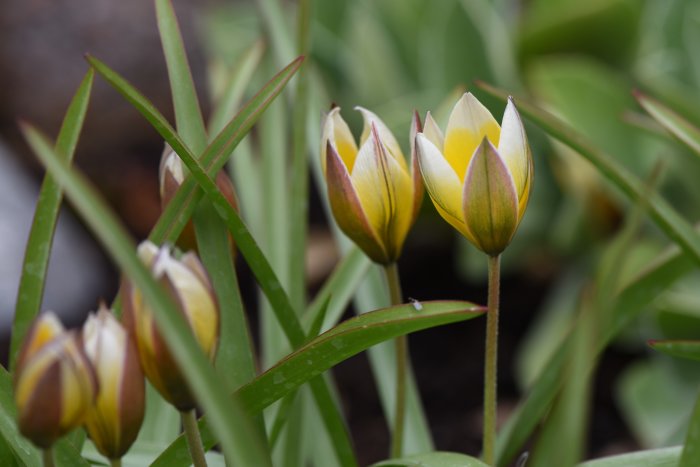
(664, 457)
(681, 128)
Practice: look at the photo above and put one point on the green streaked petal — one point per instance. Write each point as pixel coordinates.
(347, 209)
(469, 123)
(490, 202)
(337, 132)
(385, 135)
(385, 191)
(514, 149)
(442, 183)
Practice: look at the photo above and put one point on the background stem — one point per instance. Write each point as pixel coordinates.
(194, 440)
(47, 457)
(491, 360)
(115, 462)
(401, 343)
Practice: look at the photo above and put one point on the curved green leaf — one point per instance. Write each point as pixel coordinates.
(343, 341)
(678, 348)
(433, 459)
(690, 457)
(663, 214)
(665, 457)
(681, 128)
(233, 427)
(36, 257)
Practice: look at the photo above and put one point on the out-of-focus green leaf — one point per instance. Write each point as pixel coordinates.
(38, 251)
(677, 348)
(681, 128)
(665, 457)
(328, 349)
(232, 425)
(433, 459)
(691, 448)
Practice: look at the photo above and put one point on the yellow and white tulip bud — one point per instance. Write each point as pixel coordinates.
(374, 194)
(115, 419)
(479, 175)
(171, 174)
(190, 287)
(55, 384)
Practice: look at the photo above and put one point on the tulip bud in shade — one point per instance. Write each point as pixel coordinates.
(115, 419)
(190, 287)
(172, 173)
(55, 384)
(374, 194)
(481, 189)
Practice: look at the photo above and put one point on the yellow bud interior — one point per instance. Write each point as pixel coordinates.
(460, 144)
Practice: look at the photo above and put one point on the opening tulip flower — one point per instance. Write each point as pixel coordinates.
(373, 193)
(479, 175)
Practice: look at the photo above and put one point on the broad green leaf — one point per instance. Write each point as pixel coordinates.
(663, 214)
(665, 457)
(188, 116)
(180, 208)
(38, 251)
(681, 128)
(433, 459)
(343, 341)
(233, 427)
(678, 348)
(690, 457)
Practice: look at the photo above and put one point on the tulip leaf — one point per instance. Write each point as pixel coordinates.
(38, 251)
(664, 457)
(234, 429)
(628, 305)
(678, 126)
(433, 459)
(188, 116)
(662, 213)
(690, 457)
(330, 348)
(180, 208)
(689, 349)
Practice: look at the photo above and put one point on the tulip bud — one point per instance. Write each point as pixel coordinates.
(55, 384)
(189, 284)
(115, 419)
(479, 188)
(374, 194)
(172, 173)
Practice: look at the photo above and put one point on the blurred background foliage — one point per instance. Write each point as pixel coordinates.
(579, 60)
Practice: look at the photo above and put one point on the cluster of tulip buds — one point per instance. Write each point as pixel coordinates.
(95, 378)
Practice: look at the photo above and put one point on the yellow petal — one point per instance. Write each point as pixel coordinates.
(385, 135)
(469, 123)
(348, 211)
(442, 183)
(514, 149)
(385, 191)
(337, 132)
(432, 131)
(490, 202)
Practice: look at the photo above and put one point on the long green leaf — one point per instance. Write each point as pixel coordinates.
(263, 272)
(681, 128)
(36, 257)
(665, 457)
(690, 457)
(433, 459)
(663, 214)
(188, 116)
(180, 208)
(343, 341)
(232, 425)
(678, 348)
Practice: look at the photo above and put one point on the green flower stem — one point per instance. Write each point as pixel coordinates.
(115, 462)
(392, 278)
(491, 360)
(194, 440)
(47, 457)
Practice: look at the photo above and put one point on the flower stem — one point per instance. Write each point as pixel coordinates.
(392, 278)
(47, 457)
(194, 440)
(115, 462)
(491, 361)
